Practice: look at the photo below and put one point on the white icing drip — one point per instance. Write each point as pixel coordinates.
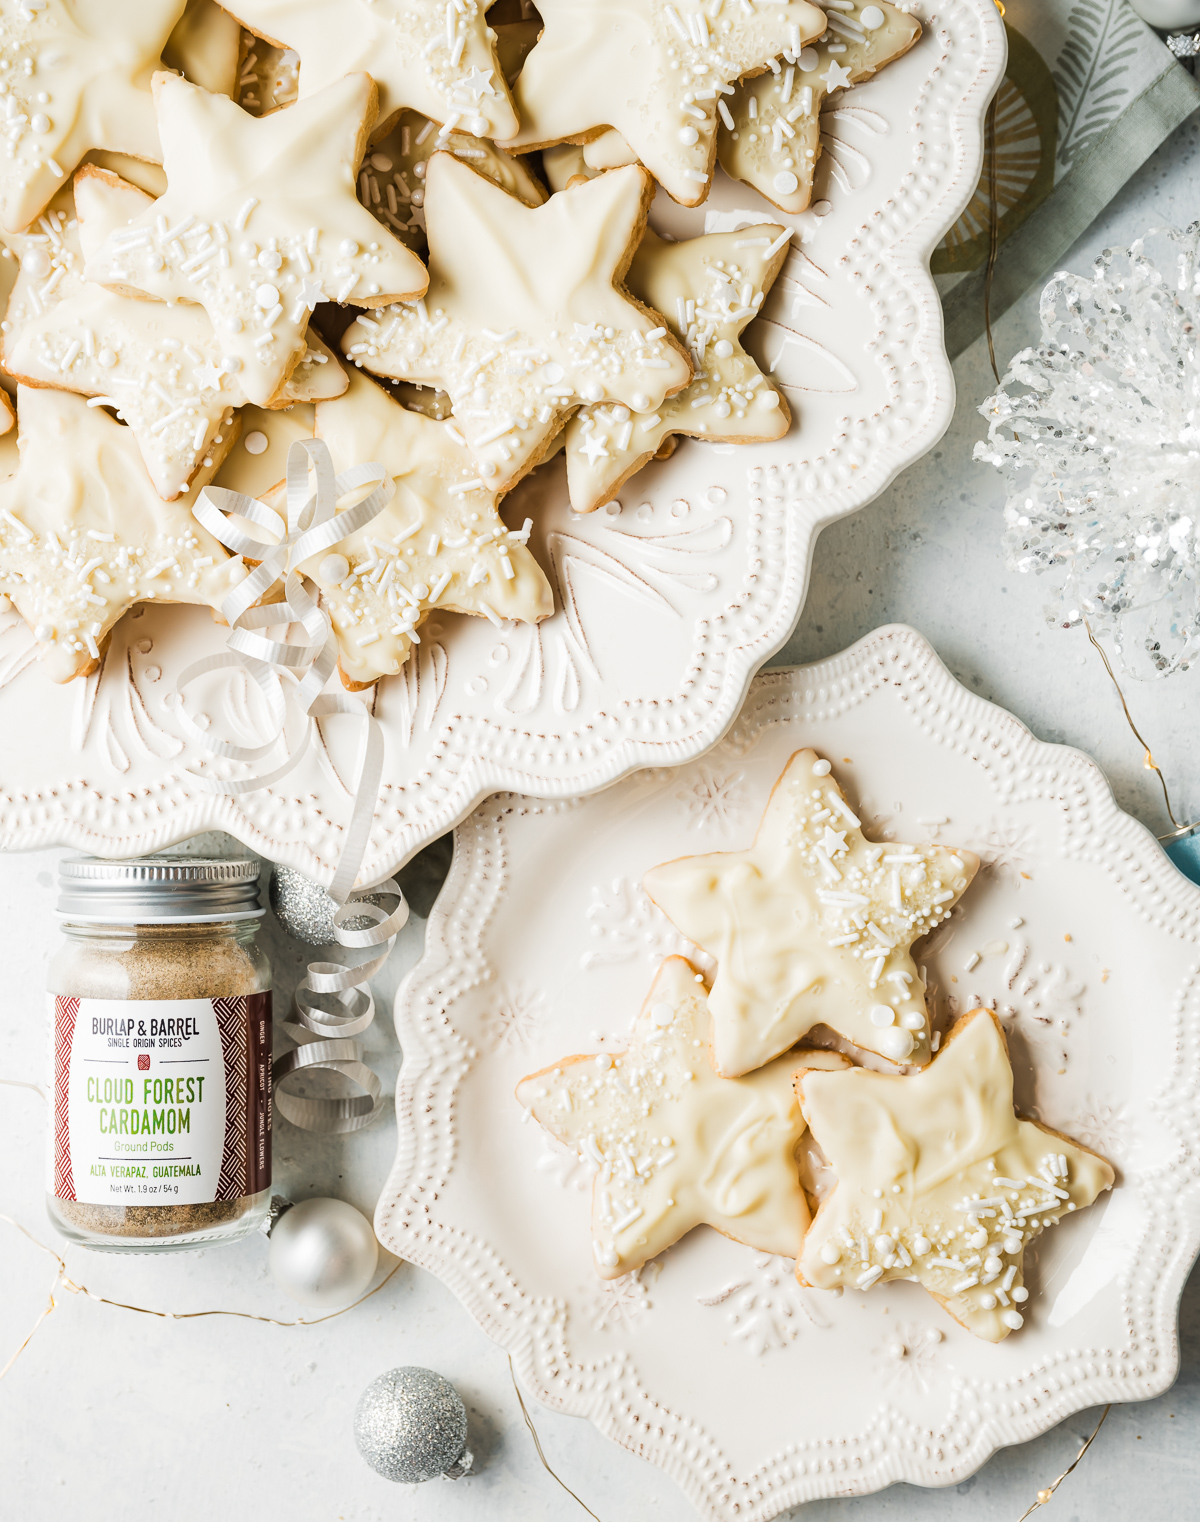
(807, 928)
(522, 323)
(770, 134)
(708, 289)
(938, 1179)
(653, 70)
(259, 223)
(671, 1144)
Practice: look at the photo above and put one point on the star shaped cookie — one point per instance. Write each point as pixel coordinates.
(75, 76)
(653, 70)
(770, 134)
(812, 925)
(205, 47)
(707, 289)
(391, 183)
(84, 535)
(673, 1145)
(437, 56)
(439, 544)
(525, 318)
(259, 223)
(938, 1180)
(162, 368)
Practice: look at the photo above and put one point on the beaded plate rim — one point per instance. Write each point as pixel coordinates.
(470, 754)
(1046, 1391)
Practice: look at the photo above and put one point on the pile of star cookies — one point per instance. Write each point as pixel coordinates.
(701, 1120)
(202, 205)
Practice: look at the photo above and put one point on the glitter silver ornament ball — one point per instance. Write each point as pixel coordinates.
(411, 1425)
(305, 910)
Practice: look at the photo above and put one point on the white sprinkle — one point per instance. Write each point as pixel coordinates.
(243, 216)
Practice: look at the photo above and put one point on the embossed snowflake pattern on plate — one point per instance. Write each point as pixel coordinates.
(752, 1392)
(667, 601)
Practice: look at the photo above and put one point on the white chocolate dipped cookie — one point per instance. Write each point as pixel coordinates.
(84, 535)
(205, 47)
(566, 162)
(259, 223)
(707, 289)
(161, 367)
(674, 1146)
(438, 58)
(812, 925)
(391, 183)
(770, 135)
(653, 70)
(938, 1180)
(75, 76)
(439, 543)
(526, 317)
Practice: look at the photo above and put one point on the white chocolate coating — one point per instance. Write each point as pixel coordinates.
(673, 1145)
(391, 182)
(435, 545)
(812, 925)
(205, 47)
(84, 535)
(525, 319)
(651, 69)
(260, 221)
(775, 140)
(260, 470)
(75, 76)
(707, 290)
(440, 61)
(938, 1180)
(162, 366)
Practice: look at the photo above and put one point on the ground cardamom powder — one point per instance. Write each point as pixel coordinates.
(161, 962)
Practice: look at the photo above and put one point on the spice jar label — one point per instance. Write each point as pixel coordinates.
(160, 1101)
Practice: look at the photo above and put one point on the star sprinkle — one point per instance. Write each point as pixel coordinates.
(806, 934)
(391, 183)
(73, 77)
(770, 135)
(439, 544)
(654, 71)
(939, 1181)
(707, 289)
(525, 319)
(257, 209)
(672, 1145)
(162, 368)
(84, 535)
(437, 56)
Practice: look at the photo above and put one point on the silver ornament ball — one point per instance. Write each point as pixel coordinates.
(305, 910)
(323, 1253)
(411, 1425)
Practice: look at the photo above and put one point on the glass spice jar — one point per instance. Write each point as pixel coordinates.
(160, 1050)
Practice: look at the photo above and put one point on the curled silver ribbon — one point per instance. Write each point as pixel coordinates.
(313, 524)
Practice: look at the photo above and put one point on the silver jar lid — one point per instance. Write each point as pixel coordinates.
(157, 890)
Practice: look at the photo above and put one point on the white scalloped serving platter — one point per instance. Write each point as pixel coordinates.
(666, 603)
(755, 1394)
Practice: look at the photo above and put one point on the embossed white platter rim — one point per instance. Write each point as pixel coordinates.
(540, 942)
(664, 610)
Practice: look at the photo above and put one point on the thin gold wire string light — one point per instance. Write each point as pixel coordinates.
(1148, 760)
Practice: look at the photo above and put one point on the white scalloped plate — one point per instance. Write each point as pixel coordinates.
(666, 606)
(753, 1393)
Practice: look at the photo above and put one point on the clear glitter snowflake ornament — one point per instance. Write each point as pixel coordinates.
(1097, 431)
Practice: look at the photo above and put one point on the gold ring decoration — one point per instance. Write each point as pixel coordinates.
(1026, 136)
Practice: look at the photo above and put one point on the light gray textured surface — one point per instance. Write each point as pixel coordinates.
(113, 1415)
